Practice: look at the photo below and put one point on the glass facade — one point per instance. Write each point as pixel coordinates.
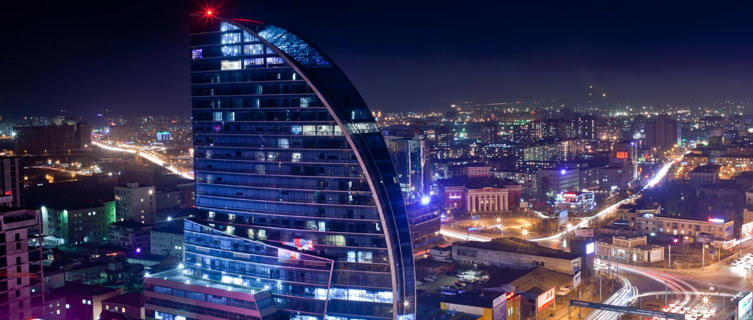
(295, 187)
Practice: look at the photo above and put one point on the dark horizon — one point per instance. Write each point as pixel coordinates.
(402, 57)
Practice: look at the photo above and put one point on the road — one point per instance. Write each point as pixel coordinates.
(463, 235)
(149, 155)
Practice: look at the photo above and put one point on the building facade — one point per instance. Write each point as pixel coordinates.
(630, 250)
(662, 132)
(167, 241)
(295, 189)
(515, 253)
(10, 191)
(21, 286)
(687, 229)
(81, 224)
(134, 202)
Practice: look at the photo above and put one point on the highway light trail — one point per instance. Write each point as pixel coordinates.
(620, 298)
(464, 236)
(583, 223)
(148, 156)
(675, 285)
(660, 175)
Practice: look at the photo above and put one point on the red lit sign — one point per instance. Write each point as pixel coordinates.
(545, 299)
(7, 193)
(622, 155)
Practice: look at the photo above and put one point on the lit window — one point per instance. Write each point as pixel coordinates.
(247, 37)
(295, 157)
(253, 49)
(231, 38)
(197, 54)
(248, 63)
(226, 26)
(305, 102)
(274, 60)
(230, 65)
(231, 50)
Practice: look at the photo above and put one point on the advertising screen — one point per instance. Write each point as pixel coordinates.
(545, 299)
(743, 306)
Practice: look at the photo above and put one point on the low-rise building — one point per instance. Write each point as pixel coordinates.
(131, 235)
(127, 306)
(480, 195)
(173, 295)
(80, 223)
(631, 250)
(705, 174)
(485, 307)
(515, 253)
(77, 301)
(690, 229)
(167, 241)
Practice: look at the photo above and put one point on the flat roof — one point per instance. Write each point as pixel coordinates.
(176, 275)
(133, 299)
(470, 300)
(539, 280)
(516, 245)
(82, 289)
(476, 183)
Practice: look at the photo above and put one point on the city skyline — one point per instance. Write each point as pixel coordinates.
(670, 54)
(376, 161)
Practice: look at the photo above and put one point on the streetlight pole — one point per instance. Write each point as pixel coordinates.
(669, 265)
(703, 256)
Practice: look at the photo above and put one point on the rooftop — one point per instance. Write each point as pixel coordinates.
(131, 224)
(517, 245)
(475, 183)
(81, 289)
(706, 168)
(471, 300)
(133, 299)
(177, 275)
(539, 280)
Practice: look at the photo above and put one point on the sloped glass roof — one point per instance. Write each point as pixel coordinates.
(294, 47)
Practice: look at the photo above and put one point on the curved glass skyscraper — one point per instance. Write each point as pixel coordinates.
(295, 187)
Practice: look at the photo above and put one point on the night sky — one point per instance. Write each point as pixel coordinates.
(132, 56)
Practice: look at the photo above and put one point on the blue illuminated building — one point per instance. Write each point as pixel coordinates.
(295, 188)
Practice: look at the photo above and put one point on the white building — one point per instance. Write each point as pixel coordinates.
(135, 202)
(167, 241)
(515, 253)
(631, 250)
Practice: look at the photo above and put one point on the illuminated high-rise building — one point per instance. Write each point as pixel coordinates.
(296, 193)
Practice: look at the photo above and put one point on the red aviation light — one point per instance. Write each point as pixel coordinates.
(209, 12)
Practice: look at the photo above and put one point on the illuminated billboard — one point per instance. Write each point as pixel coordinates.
(746, 231)
(590, 248)
(545, 299)
(744, 306)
